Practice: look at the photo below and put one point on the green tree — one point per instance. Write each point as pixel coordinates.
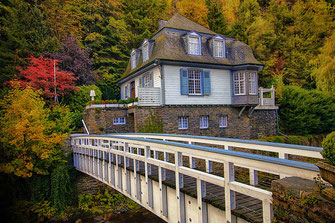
(216, 20)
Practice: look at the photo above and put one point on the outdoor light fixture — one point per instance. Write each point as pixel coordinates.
(92, 94)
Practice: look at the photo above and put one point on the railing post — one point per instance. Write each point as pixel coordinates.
(103, 166)
(137, 176)
(163, 192)
(230, 202)
(267, 211)
(147, 180)
(126, 164)
(192, 162)
(202, 207)
(179, 184)
(253, 176)
(283, 156)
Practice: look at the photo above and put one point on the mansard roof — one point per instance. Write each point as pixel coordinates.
(170, 44)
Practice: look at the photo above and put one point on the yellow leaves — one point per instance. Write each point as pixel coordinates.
(195, 10)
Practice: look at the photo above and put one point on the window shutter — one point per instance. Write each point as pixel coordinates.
(206, 82)
(183, 81)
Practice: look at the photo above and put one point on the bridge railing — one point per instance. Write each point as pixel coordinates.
(89, 149)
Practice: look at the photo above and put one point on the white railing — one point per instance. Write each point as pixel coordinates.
(149, 96)
(267, 101)
(136, 150)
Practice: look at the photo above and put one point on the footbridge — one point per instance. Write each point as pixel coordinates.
(183, 178)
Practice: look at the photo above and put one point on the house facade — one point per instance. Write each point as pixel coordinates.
(196, 82)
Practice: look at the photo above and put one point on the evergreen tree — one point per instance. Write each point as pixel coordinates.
(216, 20)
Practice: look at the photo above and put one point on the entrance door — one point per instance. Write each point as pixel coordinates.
(132, 87)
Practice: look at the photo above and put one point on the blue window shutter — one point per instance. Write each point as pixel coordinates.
(183, 81)
(206, 82)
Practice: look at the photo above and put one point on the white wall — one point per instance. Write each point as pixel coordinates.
(220, 87)
(157, 82)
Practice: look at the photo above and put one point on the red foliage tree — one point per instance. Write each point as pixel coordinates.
(40, 75)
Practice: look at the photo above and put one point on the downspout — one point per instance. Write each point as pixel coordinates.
(278, 131)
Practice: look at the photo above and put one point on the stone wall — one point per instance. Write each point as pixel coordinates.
(299, 200)
(260, 122)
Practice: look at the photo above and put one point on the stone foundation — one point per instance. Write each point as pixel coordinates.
(299, 200)
(259, 123)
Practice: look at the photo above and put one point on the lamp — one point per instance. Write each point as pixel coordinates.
(92, 94)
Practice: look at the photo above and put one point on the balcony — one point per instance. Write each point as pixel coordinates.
(267, 98)
(149, 96)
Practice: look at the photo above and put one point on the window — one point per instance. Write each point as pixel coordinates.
(218, 48)
(194, 82)
(147, 80)
(133, 59)
(182, 122)
(203, 122)
(252, 83)
(119, 121)
(239, 83)
(145, 50)
(194, 45)
(223, 121)
(126, 92)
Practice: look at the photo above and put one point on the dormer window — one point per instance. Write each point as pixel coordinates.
(133, 59)
(219, 47)
(145, 50)
(194, 44)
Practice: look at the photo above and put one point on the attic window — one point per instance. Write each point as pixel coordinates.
(133, 59)
(194, 44)
(145, 50)
(219, 47)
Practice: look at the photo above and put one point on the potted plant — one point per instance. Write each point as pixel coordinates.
(327, 168)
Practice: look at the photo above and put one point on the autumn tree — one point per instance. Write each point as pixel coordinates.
(40, 76)
(195, 10)
(76, 60)
(324, 66)
(29, 135)
(215, 18)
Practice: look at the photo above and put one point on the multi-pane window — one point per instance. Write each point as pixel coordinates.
(194, 82)
(239, 83)
(147, 80)
(145, 50)
(204, 122)
(183, 122)
(218, 48)
(252, 83)
(119, 121)
(194, 46)
(133, 60)
(223, 122)
(126, 92)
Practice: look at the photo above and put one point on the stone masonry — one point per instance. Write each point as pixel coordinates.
(260, 122)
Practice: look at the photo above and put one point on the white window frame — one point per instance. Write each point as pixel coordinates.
(133, 59)
(204, 119)
(194, 80)
(194, 48)
(223, 121)
(252, 80)
(148, 80)
(219, 51)
(182, 122)
(145, 51)
(119, 121)
(240, 82)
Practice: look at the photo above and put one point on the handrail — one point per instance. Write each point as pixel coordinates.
(281, 148)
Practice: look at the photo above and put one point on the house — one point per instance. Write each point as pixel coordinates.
(197, 82)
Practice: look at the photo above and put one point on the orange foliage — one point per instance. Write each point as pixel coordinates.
(26, 133)
(195, 10)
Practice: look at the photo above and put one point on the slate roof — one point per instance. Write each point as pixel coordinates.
(171, 44)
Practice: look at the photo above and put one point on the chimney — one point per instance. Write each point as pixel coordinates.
(161, 23)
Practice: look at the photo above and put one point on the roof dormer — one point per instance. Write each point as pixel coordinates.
(145, 50)
(219, 46)
(194, 43)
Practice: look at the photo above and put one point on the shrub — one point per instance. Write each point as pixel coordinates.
(328, 151)
(152, 124)
(305, 112)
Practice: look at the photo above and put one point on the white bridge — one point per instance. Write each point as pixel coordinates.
(183, 178)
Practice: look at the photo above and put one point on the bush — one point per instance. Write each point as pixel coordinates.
(152, 124)
(328, 151)
(305, 112)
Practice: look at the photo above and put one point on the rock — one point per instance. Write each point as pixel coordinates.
(329, 193)
(79, 221)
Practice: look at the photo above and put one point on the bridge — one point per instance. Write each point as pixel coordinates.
(183, 178)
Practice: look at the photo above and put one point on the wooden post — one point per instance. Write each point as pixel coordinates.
(179, 184)
(230, 202)
(147, 180)
(253, 176)
(267, 211)
(202, 207)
